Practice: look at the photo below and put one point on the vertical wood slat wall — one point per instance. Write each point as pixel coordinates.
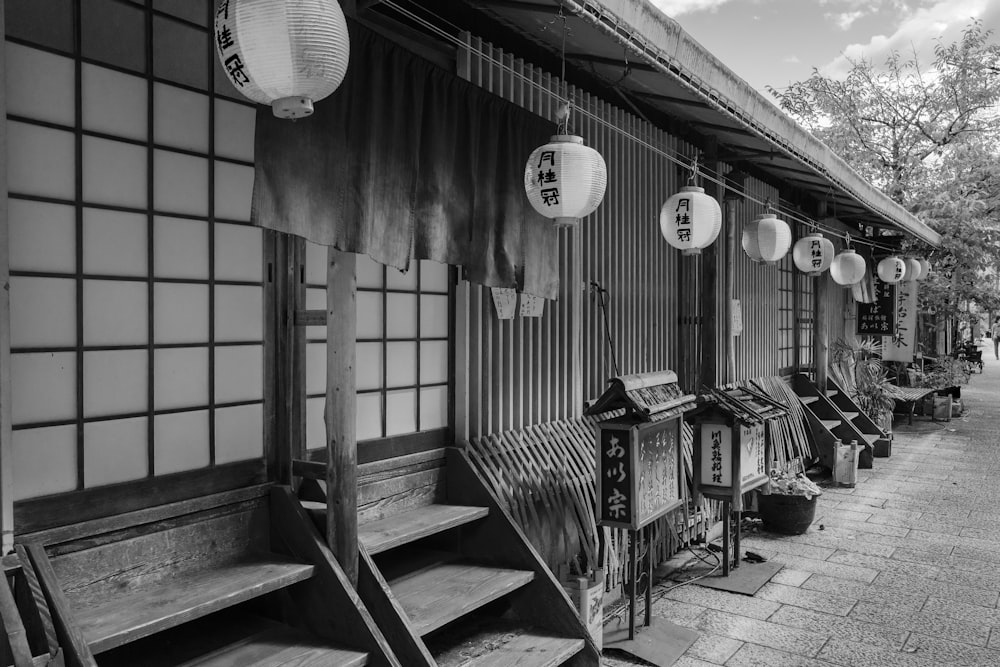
(757, 286)
(532, 370)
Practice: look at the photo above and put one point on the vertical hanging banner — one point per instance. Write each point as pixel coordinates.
(878, 318)
(899, 346)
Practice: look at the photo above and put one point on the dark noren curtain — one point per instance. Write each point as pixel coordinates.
(407, 160)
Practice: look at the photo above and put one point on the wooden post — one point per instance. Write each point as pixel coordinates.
(730, 221)
(341, 410)
(710, 283)
(821, 329)
(6, 473)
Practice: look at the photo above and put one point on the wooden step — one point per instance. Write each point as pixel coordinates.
(808, 399)
(831, 424)
(233, 639)
(852, 415)
(440, 590)
(832, 392)
(146, 610)
(406, 527)
(506, 647)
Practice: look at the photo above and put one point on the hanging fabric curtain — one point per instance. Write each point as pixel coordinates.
(407, 161)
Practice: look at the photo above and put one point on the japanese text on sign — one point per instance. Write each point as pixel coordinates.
(716, 455)
(878, 318)
(658, 479)
(616, 482)
(899, 346)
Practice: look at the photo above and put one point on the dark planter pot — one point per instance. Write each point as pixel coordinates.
(954, 392)
(788, 515)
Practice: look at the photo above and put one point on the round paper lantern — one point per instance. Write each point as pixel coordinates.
(690, 220)
(813, 254)
(891, 270)
(565, 180)
(912, 268)
(766, 239)
(286, 53)
(925, 268)
(848, 268)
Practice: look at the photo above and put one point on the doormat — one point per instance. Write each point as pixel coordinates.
(747, 579)
(660, 644)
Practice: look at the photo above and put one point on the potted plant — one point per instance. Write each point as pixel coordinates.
(858, 368)
(789, 507)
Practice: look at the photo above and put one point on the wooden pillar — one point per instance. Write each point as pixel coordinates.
(821, 328)
(6, 473)
(340, 413)
(821, 319)
(709, 283)
(729, 220)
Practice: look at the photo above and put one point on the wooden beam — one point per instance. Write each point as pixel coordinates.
(821, 329)
(524, 5)
(310, 318)
(729, 219)
(709, 375)
(6, 471)
(613, 62)
(341, 409)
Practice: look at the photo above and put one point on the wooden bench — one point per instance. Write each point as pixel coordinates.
(907, 398)
(239, 578)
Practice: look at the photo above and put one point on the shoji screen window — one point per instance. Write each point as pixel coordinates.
(786, 314)
(403, 350)
(136, 288)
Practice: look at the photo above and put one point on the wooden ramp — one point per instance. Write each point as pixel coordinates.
(446, 574)
(240, 578)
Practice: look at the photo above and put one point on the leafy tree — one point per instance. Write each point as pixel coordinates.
(928, 136)
(889, 123)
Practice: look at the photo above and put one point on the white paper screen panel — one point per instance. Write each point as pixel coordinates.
(403, 353)
(39, 84)
(114, 103)
(42, 236)
(135, 280)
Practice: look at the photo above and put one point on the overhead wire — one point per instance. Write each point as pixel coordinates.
(673, 156)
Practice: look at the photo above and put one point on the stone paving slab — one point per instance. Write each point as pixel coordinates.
(905, 571)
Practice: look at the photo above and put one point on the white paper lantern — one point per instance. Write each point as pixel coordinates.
(912, 269)
(925, 268)
(565, 180)
(690, 220)
(848, 268)
(891, 270)
(813, 254)
(286, 53)
(766, 239)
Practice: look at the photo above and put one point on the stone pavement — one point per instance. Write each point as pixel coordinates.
(905, 570)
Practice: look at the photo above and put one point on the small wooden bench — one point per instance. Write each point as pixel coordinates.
(239, 578)
(907, 398)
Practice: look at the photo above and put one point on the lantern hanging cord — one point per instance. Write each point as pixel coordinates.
(600, 291)
(673, 156)
(692, 177)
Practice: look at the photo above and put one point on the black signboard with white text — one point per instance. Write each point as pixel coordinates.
(878, 318)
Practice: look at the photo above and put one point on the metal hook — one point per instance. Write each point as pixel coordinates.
(694, 170)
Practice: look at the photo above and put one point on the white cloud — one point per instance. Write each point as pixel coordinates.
(918, 30)
(845, 19)
(675, 8)
(791, 59)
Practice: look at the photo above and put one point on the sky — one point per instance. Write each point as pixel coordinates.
(777, 42)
